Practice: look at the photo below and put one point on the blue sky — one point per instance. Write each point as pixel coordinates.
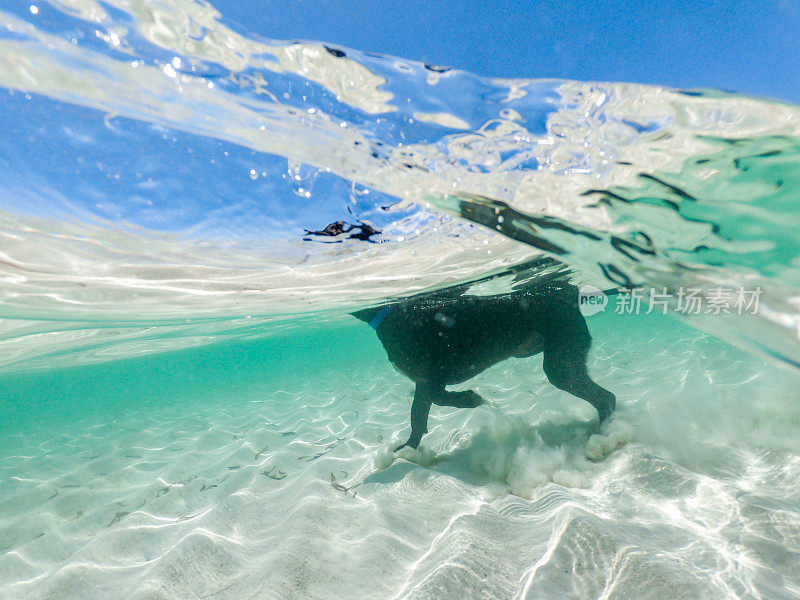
(737, 45)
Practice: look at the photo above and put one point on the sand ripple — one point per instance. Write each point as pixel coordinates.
(689, 493)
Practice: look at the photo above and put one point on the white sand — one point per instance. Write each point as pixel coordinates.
(691, 492)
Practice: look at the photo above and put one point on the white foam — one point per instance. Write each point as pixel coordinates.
(516, 454)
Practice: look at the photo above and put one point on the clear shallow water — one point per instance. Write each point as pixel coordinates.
(180, 377)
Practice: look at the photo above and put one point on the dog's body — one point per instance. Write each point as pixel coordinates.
(444, 338)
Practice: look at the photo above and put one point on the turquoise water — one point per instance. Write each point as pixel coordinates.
(189, 410)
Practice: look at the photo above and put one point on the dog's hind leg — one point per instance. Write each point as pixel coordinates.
(424, 395)
(565, 367)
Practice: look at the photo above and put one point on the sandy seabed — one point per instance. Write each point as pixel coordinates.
(291, 491)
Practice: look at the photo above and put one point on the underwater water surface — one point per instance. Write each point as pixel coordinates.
(188, 216)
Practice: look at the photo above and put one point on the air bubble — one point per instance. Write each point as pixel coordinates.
(302, 177)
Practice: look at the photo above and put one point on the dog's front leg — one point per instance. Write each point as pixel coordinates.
(424, 394)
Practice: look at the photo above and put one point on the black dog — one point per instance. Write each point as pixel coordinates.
(446, 337)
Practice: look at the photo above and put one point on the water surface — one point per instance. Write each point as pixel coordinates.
(185, 393)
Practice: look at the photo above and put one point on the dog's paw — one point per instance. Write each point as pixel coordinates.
(412, 441)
